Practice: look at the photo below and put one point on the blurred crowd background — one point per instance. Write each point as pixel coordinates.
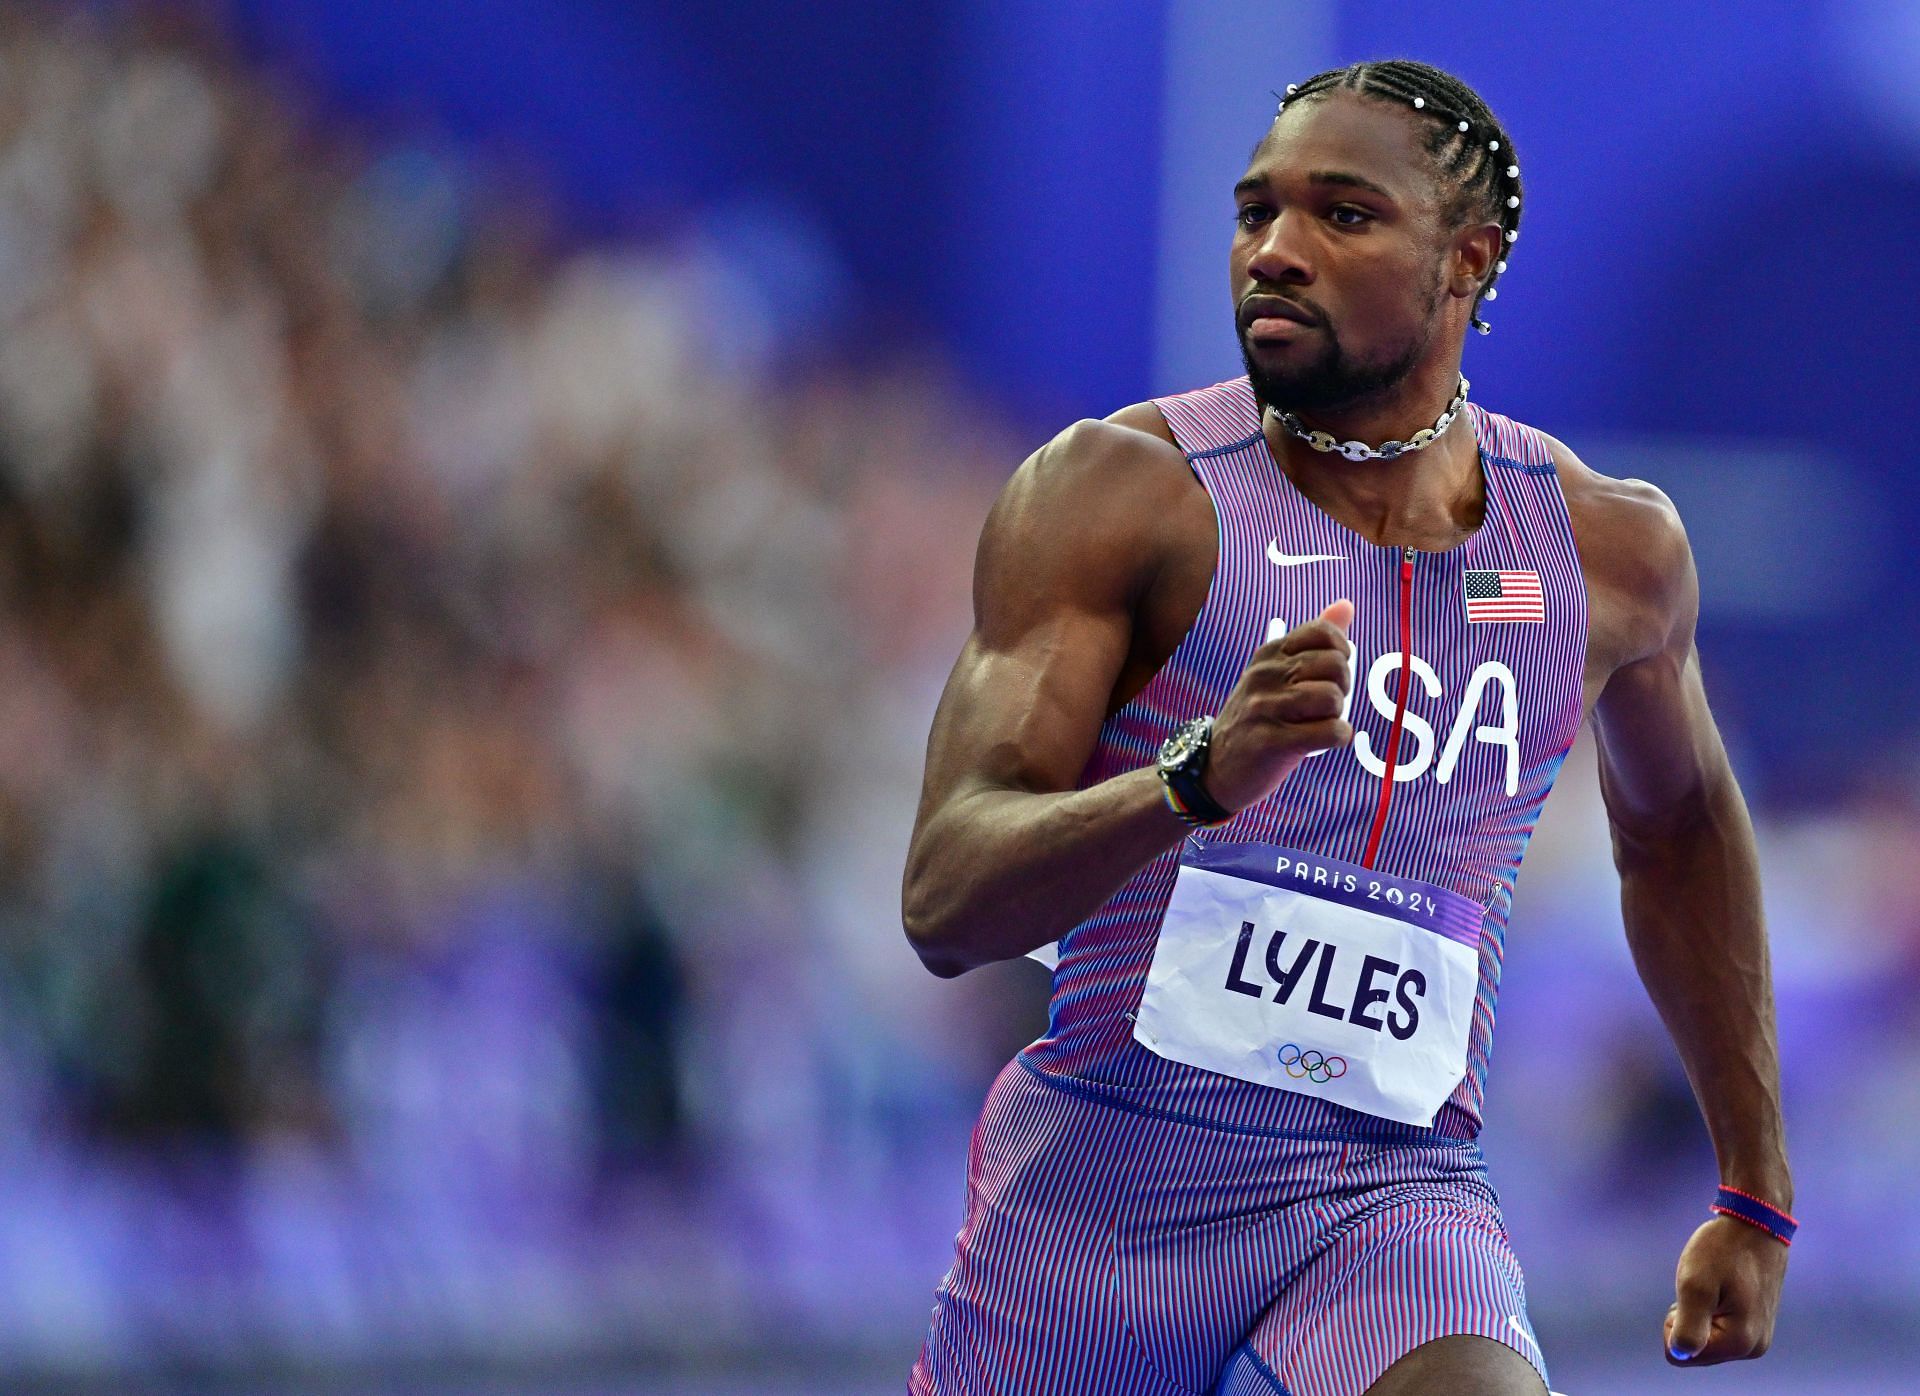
(470, 613)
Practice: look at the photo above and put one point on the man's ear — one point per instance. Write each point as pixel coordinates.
(1475, 250)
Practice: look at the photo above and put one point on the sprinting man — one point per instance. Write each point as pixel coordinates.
(1267, 685)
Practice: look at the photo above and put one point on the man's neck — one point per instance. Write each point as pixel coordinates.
(1429, 499)
(1413, 403)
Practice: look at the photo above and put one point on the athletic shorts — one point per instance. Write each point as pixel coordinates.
(1112, 1252)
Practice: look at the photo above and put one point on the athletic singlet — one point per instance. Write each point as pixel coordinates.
(1496, 631)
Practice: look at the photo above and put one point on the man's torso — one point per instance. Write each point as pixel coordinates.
(1471, 781)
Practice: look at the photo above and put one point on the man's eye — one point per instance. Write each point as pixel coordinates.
(1360, 215)
(1251, 214)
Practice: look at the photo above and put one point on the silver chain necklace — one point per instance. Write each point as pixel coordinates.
(1386, 450)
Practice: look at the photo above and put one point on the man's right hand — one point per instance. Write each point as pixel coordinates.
(1285, 708)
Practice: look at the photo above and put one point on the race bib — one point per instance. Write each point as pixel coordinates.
(1314, 975)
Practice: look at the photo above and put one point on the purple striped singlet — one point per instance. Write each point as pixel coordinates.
(1491, 709)
(1140, 1227)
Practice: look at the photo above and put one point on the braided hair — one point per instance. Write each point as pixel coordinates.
(1469, 147)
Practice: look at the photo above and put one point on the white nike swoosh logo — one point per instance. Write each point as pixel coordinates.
(1280, 559)
(1525, 1336)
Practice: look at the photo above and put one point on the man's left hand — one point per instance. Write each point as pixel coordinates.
(1727, 1292)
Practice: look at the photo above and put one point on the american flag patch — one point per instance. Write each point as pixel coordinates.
(1504, 596)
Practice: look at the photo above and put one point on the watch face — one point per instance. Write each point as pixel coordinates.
(1179, 747)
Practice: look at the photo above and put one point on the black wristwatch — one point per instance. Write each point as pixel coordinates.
(1183, 760)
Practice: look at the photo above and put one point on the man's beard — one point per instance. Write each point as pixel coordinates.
(1333, 379)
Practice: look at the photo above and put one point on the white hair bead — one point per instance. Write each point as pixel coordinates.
(1292, 88)
(1499, 267)
(1463, 126)
(1419, 102)
(1513, 172)
(1493, 293)
(1493, 145)
(1513, 235)
(1513, 201)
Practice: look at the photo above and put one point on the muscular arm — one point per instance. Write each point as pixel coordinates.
(1690, 878)
(1690, 897)
(1005, 854)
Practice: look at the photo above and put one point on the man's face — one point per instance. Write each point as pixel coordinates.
(1338, 222)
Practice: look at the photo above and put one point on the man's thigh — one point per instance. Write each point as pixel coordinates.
(1462, 1364)
(1410, 1294)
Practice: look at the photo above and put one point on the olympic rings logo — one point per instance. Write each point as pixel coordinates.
(1309, 1065)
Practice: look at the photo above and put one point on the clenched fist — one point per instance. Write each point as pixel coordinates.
(1285, 707)
(1727, 1292)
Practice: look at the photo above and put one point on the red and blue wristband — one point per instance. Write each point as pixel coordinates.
(1744, 1206)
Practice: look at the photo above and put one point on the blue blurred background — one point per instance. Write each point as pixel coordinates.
(487, 495)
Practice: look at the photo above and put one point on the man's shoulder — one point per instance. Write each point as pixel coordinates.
(1103, 496)
(1145, 418)
(1627, 514)
(1632, 543)
(1107, 463)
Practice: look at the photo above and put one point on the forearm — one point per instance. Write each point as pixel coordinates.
(997, 873)
(1692, 905)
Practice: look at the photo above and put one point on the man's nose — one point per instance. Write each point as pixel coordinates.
(1279, 255)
